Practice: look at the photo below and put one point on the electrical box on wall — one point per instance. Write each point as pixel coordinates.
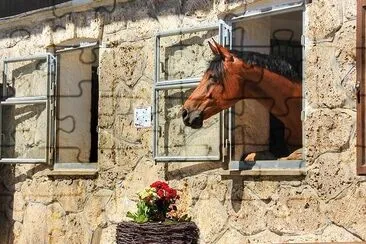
(142, 117)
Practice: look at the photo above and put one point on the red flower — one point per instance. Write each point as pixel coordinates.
(160, 185)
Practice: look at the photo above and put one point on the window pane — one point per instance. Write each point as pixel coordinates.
(24, 131)
(176, 139)
(74, 106)
(185, 56)
(27, 78)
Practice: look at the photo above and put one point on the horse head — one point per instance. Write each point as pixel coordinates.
(220, 87)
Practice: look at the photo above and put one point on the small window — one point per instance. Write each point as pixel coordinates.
(181, 58)
(248, 126)
(361, 102)
(49, 107)
(77, 102)
(263, 134)
(27, 100)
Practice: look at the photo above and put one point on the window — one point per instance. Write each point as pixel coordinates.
(27, 102)
(258, 136)
(77, 102)
(49, 107)
(181, 57)
(246, 127)
(361, 102)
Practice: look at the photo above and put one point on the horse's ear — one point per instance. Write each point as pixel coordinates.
(222, 51)
(213, 48)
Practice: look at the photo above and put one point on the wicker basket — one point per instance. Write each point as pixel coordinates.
(159, 233)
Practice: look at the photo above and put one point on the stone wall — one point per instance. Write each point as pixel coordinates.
(328, 204)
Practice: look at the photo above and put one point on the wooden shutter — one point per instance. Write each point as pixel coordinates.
(361, 74)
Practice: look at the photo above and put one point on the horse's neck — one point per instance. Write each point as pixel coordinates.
(280, 96)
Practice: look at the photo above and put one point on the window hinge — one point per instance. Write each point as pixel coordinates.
(226, 146)
(303, 40)
(357, 91)
(302, 115)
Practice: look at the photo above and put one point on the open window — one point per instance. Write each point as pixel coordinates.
(49, 107)
(259, 137)
(180, 59)
(27, 110)
(268, 28)
(361, 75)
(77, 104)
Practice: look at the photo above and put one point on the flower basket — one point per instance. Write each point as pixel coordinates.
(158, 233)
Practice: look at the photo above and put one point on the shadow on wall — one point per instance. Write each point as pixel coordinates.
(8, 184)
(154, 9)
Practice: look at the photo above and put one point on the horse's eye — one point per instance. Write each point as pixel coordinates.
(213, 78)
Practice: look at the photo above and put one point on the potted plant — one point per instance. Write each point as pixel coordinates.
(156, 219)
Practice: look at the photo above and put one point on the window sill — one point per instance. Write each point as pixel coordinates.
(74, 169)
(265, 167)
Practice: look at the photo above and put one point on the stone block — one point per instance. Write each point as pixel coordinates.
(332, 173)
(328, 130)
(56, 220)
(95, 208)
(78, 231)
(348, 212)
(34, 229)
(297, 211)
(38, 191)
(324, 75)
(211, 218)
(324, 19)
(71, 195)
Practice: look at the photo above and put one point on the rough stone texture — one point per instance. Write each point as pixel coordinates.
(326, 205)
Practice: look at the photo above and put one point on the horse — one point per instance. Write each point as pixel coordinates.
(230, 78)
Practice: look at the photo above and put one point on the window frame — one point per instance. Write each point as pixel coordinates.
(48, 100)
(297, 166)
(262, 167)
(51, 100)
(224, 37)
(361, 101)
(70, 168)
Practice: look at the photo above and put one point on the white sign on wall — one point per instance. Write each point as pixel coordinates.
(142, 117)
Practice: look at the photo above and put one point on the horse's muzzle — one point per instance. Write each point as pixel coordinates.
(192, 119)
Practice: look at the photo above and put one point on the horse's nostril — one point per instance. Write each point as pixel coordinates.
(184, 113)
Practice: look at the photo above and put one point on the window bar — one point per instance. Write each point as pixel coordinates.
(18, 59)
(186, 31)
(155, 101)
(280, 9)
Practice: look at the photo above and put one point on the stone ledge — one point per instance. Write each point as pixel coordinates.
(275, 172)
(74, 169)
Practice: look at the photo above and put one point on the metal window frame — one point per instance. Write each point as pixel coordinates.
(224, 37)
(361, 97)
(288, 7)
(48, 100)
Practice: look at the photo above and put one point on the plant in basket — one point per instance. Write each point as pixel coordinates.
(157, 203)
(156, 219)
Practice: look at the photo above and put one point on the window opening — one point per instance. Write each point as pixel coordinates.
(77, 103)
(257, 134)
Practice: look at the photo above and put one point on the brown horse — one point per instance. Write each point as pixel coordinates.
(229, 79)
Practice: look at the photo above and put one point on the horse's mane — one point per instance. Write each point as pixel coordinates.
(273, 63)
